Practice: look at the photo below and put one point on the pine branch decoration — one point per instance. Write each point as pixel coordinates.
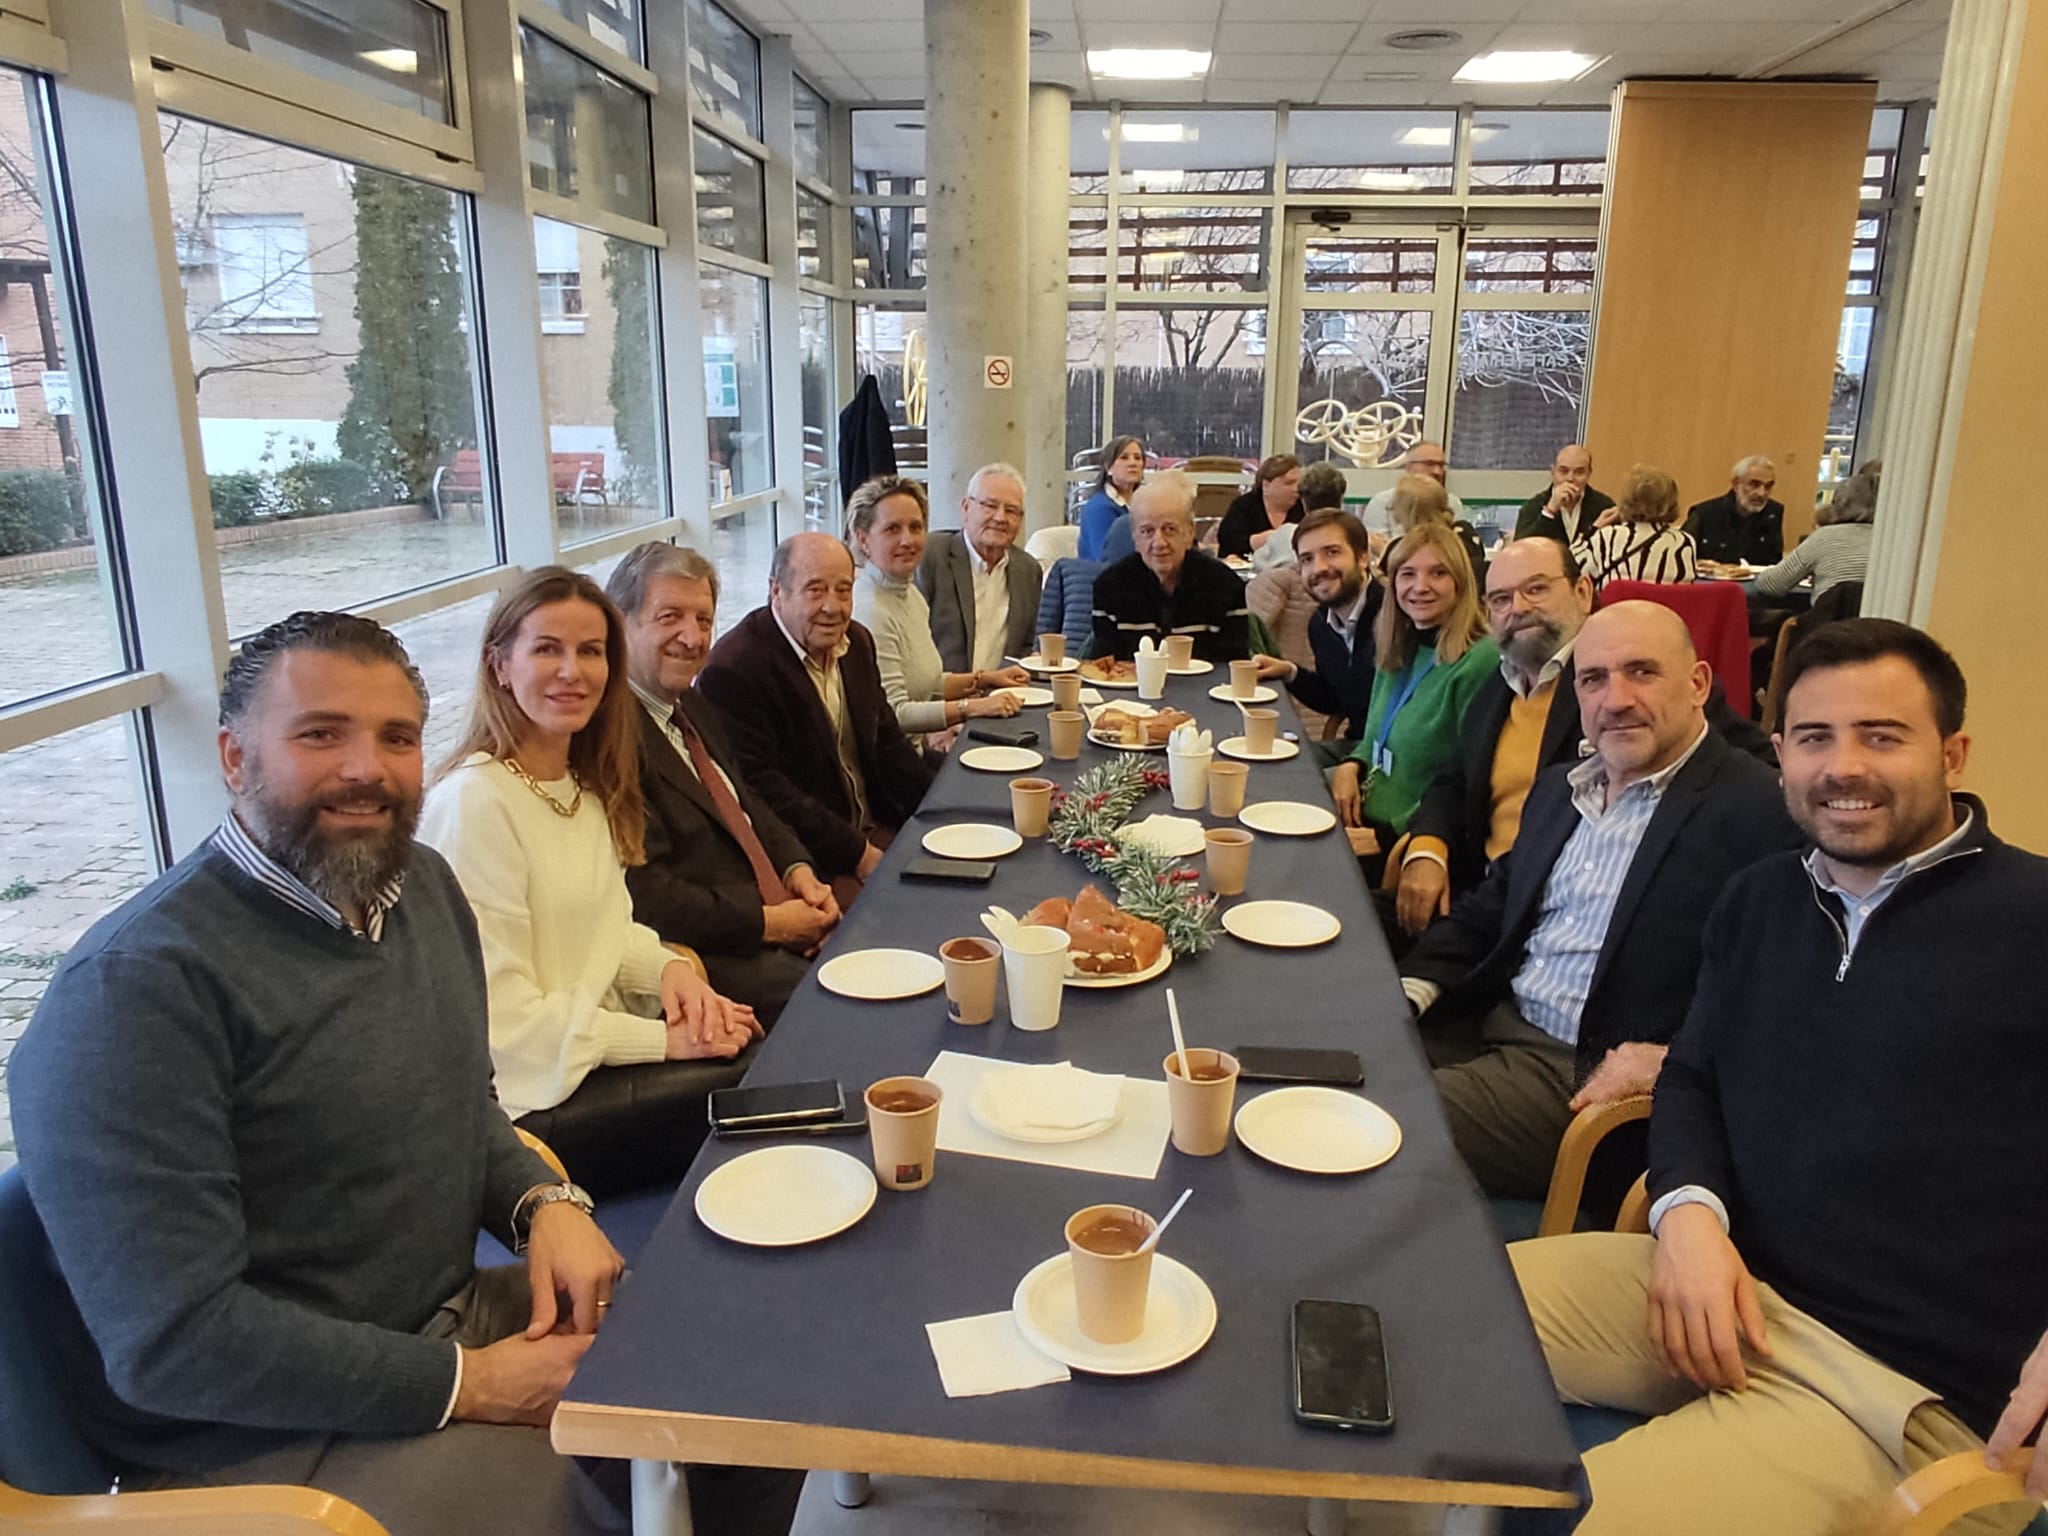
(1149, 885)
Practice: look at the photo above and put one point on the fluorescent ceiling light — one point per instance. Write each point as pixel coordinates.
(1158, 133)
(398, 61)
(1148, 63)
(1521, 66)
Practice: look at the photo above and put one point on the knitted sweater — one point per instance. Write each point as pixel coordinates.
(262, 1148)
(913, 674)
(573, 979)
(1425, 733)
(1872, 1119)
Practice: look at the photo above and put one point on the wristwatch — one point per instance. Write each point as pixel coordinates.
(538, 1196)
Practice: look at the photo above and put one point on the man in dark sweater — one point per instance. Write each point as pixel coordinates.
(1847, 1154)
(255, 1120)
(1569, 508)
(1169, 586)
(1331, 550)
(1744, 527)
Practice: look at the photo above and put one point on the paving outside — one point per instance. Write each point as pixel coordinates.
(71, 841)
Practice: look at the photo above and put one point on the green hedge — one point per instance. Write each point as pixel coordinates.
(37, 511)
(242, 498)
(303, 488)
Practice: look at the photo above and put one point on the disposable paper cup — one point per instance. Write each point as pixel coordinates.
(972, 966)
(1065, 726)
(1151, 674)
(1180, 651)
(1110, 1291)
(1201, 1110)
(1066, 690)
(1189, 775)
(1226, 788)
(1035, 970)
(1031, 805)
(1230, 855)
(1260, 727)
(1052, 647)
(1244, 679)
(906, 1141)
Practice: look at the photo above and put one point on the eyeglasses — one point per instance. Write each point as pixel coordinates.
(1007, 508)
(1533, 591)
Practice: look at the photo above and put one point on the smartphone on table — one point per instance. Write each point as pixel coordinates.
(1294, 1064)
(1340, 1367)
(777, 1105)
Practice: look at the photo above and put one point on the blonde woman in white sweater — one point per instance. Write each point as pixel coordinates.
(539, 811)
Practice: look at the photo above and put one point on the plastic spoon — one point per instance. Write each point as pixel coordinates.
(1180, 1045)
(1159, 1231)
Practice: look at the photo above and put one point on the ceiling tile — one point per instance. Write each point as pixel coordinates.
(1093, 11)
(1295, 10)
(1059, 68)
(1306, 38)
(864, 64)
(1269, 66)
(1200, 35)
(1415, 13)
(1066, 35)
(1575, 36)
(1372, 93)
(871, 10)
(869, 36)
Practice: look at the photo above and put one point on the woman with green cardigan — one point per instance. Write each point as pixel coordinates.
(1433, 653)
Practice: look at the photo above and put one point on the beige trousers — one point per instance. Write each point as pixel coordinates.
(1813, 1447)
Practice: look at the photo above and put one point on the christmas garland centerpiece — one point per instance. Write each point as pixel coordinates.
(1149, 885)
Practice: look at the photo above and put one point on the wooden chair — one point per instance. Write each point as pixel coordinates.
(1559, 1211)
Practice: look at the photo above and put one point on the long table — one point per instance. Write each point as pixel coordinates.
(816, 1357)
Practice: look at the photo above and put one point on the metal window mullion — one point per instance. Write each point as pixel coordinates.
(1282, 385)
(713, 256)
(592, 50)
(570, 210)
(732, 133)
(1443, 334)
(28, 46)
(73, 709)
(1894, 267)
(785, 299)
(1112, 203)
(680, 286)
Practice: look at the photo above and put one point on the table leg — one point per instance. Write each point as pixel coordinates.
(850, 1490)
(661, 1499)
(1471, 1520)
(1326, 1517)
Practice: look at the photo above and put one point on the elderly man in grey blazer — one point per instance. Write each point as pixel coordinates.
(983, 589)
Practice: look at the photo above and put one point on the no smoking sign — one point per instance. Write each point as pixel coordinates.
(996, 372)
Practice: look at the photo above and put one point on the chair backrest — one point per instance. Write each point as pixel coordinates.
(1717, 614)
(572, 468)
(1844, 600)
(1067, 602)
(1057, 543)
(41, 1450)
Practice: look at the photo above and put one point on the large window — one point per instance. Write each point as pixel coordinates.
(586, 132)
(725, 67)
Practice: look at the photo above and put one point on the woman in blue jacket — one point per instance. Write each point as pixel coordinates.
(1123, 469)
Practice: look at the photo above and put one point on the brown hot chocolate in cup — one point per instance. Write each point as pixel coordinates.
(1052, 648)
(1244, 679)
(1112, 1279)
(1064, 727)
(1200, 1104)
(1260, 727)
(1180, 652)
(1066, 690)
(1031, 805)
(903, 1125)
(972, 966)
(1226, 788)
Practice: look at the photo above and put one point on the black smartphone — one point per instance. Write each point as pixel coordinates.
(1340, 1367)
(950, 871)
(1293, 1064)
(1002, 736)
(854, 1122)
(777, 1104)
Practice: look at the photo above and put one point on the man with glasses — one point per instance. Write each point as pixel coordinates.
(1744, 527)
(1569, 507)
(982, 589)
(1423, 459)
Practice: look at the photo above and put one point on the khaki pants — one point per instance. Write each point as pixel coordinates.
(1504, 1089)
(1813, 1447)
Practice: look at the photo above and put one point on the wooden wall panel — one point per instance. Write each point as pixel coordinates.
(1731, 208)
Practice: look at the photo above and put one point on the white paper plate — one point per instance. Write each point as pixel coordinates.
(1030, 698)
(972, 840)
(1281, 924)
(1001, 759)
(1175, 837)
(1128, 706)
(1241, 748)
(1318, 1130)
(781, 1196)
(1288, 818)
(1260, 695)
(1100, 682)
(1117, 745)
(981, 1107)
(882, 975)
(1180, 1315)
(1122, 979)
(1193, 669)
(1037, 663)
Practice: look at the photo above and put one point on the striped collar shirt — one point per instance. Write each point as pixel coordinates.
(241, 850)
(1579, 898)
(1856, 909)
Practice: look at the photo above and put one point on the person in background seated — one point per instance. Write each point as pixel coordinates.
(886, 518)
(1330, 550)
(1837, 550)
(982, 589)
(1263, 512)
(1569, 508)
(1123, 471)
(1847, 1149)
(1323, 487)
(723, 874)
(1417, 499)
(1426, 459)
(539, 812)
(1431, 653)
(797, 683)
(1644, 541)
(1744, 527)
(255, 1119)
(1169, 586)
(1524, 719)
(1558, 982)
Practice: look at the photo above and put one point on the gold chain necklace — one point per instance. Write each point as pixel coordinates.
(512, 767)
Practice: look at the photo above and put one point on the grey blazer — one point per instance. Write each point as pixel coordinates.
(946, 578)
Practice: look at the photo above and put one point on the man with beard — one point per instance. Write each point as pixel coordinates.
(1520, 723)
(1847, 1153)
(1331, 551)
(254, 1116)
(1565, 973)
(1746, 525)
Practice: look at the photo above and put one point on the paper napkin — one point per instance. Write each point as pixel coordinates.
(980, 1355)
(1054, 1098)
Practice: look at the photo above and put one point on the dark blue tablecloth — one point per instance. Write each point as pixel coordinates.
(834, 1333)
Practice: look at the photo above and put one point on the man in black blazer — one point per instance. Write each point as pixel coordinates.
(1522, 721)
(1559, 981)
(979, 572)
(1746, 526)
(796, 684)
(1333, 553)
(1570, 507)
(724, 874)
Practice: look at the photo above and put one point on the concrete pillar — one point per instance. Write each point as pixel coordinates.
(977, 74)
(1043, 375)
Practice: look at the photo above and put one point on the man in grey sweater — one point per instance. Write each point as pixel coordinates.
(254, 1114)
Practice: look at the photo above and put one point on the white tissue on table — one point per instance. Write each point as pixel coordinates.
(1054, 1098)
